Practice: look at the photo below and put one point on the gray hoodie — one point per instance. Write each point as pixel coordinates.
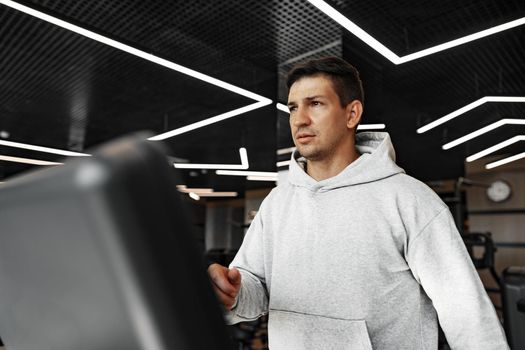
(369, 258)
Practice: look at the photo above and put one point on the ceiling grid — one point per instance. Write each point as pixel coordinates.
(51, 78)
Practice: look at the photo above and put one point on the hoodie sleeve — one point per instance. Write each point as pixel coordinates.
(252, 300)
(440, 263)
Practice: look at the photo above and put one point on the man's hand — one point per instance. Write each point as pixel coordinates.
(226, 283)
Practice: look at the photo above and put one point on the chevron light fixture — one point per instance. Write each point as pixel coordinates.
(467, 108)
(505, 160)
(482, 131)
(244, 163)
(42, 149)
(391, 56)
(260, 100)
(495, 148)
(26, 160)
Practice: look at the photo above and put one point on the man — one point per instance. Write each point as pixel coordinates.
(352, 253)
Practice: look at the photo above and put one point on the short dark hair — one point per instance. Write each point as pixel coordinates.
(345, 78)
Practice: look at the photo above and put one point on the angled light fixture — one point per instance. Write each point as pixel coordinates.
(194, 196)
(197, 193)
(495, 148)
(482, 131)
(283, 163)
(244, 163)
(245, 173)
(41, 149)
(371, 126)
(467, 108)
(184, 189)
(261, 100)
(262, 178)
(285, 109)
(282, 107)
(285, 150)
(27, 160)
(209, 121)
(218, 194)
(391, 56)
(505, 160)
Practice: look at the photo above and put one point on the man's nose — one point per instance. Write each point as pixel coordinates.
(300, 117)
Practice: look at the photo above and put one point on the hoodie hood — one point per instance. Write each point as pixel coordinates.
(377, 161)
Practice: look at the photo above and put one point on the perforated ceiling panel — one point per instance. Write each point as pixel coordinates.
(208, 34)
(59, 89)
(407, 26)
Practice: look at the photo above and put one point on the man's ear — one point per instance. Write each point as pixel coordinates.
(354, 110)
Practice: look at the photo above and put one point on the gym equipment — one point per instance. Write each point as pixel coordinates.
(513, 293)
(98, 254)
(486, 261)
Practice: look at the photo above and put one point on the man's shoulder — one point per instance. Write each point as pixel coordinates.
(409, 187)
(410, 182)
(278, 193)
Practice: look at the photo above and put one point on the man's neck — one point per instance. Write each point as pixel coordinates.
(327, 168)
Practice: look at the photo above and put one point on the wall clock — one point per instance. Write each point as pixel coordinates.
(499, 191)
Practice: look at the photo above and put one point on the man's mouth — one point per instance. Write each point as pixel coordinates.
(304, 137)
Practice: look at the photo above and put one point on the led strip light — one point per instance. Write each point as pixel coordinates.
(285, 150)
(261, 100)
(218, 194)
(244, 163)
(185, 189)
(467, 108)
(505, 161)
(27, 160)
(197, 196)
(495, 148)
(391, 56)
(251, 175)
(371, 126)
(42, 149)
(282, 107)
(482, 131)
(246, 173)
(197, 193)
(283, 163)
(262, 178)
(210, 120)
(194, 196)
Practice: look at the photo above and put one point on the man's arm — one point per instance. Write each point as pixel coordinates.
(242, 287)
(440, 262)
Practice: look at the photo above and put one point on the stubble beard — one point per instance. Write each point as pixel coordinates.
(312, 153)
(316, 152)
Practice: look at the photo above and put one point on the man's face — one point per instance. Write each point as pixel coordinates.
(317, 120)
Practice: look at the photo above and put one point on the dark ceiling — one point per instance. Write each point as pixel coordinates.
(62, 90)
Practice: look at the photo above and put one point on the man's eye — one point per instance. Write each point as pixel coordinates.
(316, 103)
(292, 109)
